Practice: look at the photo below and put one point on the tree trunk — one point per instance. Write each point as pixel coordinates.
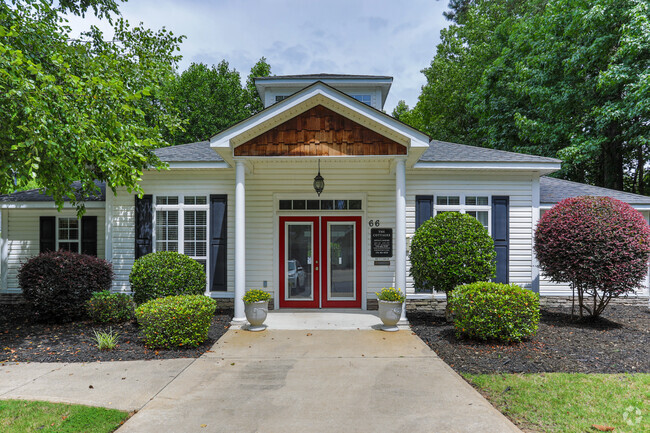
(640, 171)
(612, 160)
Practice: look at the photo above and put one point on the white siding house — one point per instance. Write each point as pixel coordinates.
(244, 203)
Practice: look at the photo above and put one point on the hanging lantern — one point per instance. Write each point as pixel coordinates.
(319, 182)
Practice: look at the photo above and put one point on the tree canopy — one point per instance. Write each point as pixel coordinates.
(561, 78)
(210, 99)
(80, 109)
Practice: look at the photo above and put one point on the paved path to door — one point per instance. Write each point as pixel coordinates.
(318, 381)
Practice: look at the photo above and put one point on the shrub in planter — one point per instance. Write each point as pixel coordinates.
(176, 321)
(166, 273)
(599, 245)
(451, 249)
(104, 307)
(57, 284)
(487, 311)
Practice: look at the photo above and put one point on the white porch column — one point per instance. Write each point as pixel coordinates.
(400, 231)
(240, 241)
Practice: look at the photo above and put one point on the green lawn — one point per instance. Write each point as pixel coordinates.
(21, 416)
(561, 402)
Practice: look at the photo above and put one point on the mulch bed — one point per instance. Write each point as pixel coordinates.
(22, 340)
(617, 343)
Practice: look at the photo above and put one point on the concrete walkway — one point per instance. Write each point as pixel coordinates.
(275, 381)
(318, 381)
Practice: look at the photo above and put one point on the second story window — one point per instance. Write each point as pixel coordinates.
(279, 98)
(362, 98)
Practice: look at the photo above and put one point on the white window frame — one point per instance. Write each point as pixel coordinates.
(181, 207)
(66, 241)
(463, 207)
(360, 96)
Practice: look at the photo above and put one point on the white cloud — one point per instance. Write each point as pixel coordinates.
(396, 38)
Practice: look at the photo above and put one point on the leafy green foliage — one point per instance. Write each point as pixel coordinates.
(80, 110)
(166, 273)
(599, 245)
(104, 307)
(451, 249)
(391, 294)
(176, 321)
(557, 78)
(493, 311)
(256, 295)
(57, 284)
(106, 340)
(211, 99)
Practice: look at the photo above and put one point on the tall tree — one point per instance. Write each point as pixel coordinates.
(573, 82)
(210, 99)
(79, 110)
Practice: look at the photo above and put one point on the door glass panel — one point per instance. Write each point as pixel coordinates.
(341, 260)
(299, 261)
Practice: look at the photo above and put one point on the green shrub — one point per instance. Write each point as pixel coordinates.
(166, 273)
(256, 295)
(391, 294)
(176, 321)
(105, 307)
(451, 249)
(487, 311)
(106, 340)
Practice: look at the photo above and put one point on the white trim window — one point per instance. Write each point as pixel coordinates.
(474, 205)
(181, 224)
(68, 235)
(366, 99)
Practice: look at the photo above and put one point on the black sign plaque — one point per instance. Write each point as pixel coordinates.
(381, 242)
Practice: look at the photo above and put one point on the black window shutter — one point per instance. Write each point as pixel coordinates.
(423, 209)
(218, 246)
(501, 235)
(143, 225)
(47, 234)
(89, 235)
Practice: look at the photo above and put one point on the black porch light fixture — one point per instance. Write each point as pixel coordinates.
(319, 182)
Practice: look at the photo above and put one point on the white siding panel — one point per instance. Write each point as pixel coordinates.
(23, 237)
(517, 187)
(172, 182)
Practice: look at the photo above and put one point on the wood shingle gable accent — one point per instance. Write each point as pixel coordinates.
(320, 131)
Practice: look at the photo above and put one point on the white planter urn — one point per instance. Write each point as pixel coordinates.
(256, 314)
(390, 313)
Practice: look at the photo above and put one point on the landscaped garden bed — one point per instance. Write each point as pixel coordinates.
(23, 340)
(619, 342)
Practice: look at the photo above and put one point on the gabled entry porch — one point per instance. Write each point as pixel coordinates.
(312, 250)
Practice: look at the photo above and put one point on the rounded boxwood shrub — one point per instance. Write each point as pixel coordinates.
(104, 307)
(166, 273)
(493, 311)
(599, 245)
(57, 284)
(451, 249)
(176, 321)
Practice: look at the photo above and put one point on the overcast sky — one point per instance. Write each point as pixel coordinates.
(380, 37)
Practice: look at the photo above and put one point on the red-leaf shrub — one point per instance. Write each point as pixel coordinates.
(599, 245)
(57, 284)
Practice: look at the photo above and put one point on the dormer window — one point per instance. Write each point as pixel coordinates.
(279, 98)
(362, 98)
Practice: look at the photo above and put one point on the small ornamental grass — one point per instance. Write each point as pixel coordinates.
(390, 294)
(166, 273)
(176, 321)
(106, 340)
(256, 295)
(106, 307)
(492, 311)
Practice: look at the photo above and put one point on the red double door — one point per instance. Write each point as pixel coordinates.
(320, 262)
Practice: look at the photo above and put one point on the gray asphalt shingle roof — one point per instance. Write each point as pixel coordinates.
(553, 190)
(323, 76)
(36, 195)
(442, 151)
(191, 152)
